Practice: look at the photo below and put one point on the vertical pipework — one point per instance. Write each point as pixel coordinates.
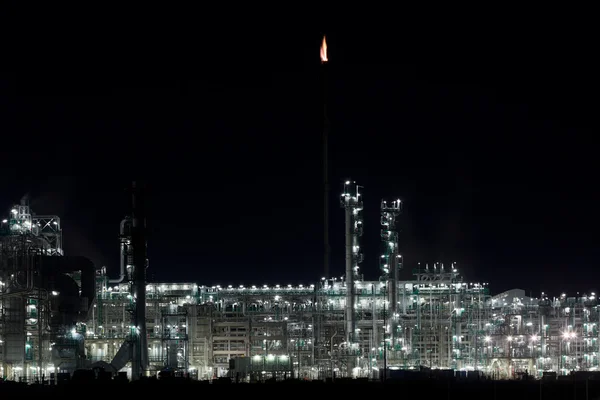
(543, 333)
(140, 356)
(393, 283)
(374, 316)
(326, 246)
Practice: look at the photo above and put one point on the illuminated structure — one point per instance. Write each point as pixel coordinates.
(55, 318)
(352, 204)
(43, 296)
(442, 322)
(391, 263)
(46, 297)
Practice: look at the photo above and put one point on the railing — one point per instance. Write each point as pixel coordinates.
(175, 337)
(99, 358)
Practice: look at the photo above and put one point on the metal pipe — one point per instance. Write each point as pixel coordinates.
(123, 253)
(384, 344)
(543, 334)
(374, 313)
(331, 353)
(393, 295)
(40, 337)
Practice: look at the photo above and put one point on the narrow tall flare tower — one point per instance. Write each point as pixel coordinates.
(352, 203)
(326, 246)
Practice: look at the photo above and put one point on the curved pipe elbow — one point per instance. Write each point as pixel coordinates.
(122, 262)
(120, 279)
(126, 221)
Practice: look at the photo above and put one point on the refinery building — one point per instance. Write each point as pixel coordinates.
(60, 313)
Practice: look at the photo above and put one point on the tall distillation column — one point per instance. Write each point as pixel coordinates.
(140, 261)
(352, 203)
(391, 261)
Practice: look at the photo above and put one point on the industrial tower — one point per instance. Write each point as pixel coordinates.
(352, 203)
(391, 262)
(140, 263)
(326, 246)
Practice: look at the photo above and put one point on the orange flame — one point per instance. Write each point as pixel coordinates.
(324, 51)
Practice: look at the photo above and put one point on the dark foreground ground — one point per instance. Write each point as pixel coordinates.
(426, 389)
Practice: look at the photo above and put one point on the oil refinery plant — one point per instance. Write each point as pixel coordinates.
(60, 313)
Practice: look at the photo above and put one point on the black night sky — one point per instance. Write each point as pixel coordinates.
(486, 133)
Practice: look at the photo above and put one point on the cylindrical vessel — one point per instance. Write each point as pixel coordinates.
(349, 278)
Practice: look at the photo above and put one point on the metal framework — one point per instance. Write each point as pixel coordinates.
(48, 227)
(332, 328)
(443, 322)
(24, 307)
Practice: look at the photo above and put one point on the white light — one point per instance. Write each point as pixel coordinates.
(54, 293)
(4, 221)
(534, 338)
